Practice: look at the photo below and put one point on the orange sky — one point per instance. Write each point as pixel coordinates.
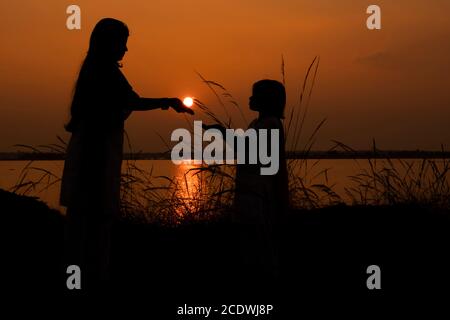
(391, 85)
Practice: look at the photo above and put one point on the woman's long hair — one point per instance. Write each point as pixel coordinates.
(104, 45)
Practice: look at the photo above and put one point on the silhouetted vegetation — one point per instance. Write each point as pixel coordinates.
(325, 255)
(206, 191)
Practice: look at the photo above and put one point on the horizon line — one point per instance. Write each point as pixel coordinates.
(314, 154)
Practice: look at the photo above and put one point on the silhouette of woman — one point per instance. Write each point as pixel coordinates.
(102, 101)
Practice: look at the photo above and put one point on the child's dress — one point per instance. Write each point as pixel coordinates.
(260, 204)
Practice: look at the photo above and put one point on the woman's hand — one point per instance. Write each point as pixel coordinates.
(178, 106)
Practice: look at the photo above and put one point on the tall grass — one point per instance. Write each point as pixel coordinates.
(304, 190)
(422, 182)
(201, 193)
(206, 191)
(34, 180)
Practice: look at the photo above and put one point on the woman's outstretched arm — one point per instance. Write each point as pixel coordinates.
(144, 104)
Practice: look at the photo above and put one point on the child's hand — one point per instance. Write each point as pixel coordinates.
(178, 106)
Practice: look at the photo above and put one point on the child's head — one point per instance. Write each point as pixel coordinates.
(269, 98)
(109, 40)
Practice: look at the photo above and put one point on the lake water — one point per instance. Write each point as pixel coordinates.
(331, 172)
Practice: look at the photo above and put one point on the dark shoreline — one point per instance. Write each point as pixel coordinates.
(407, 154)
(325, 255)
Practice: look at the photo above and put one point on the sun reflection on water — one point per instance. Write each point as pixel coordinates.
(189, 187)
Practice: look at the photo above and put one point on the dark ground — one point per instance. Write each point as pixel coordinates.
(325, 257)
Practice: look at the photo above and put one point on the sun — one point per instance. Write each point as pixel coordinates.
(188, 102)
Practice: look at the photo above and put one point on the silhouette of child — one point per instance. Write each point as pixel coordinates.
(102, 101)
(261, 201)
